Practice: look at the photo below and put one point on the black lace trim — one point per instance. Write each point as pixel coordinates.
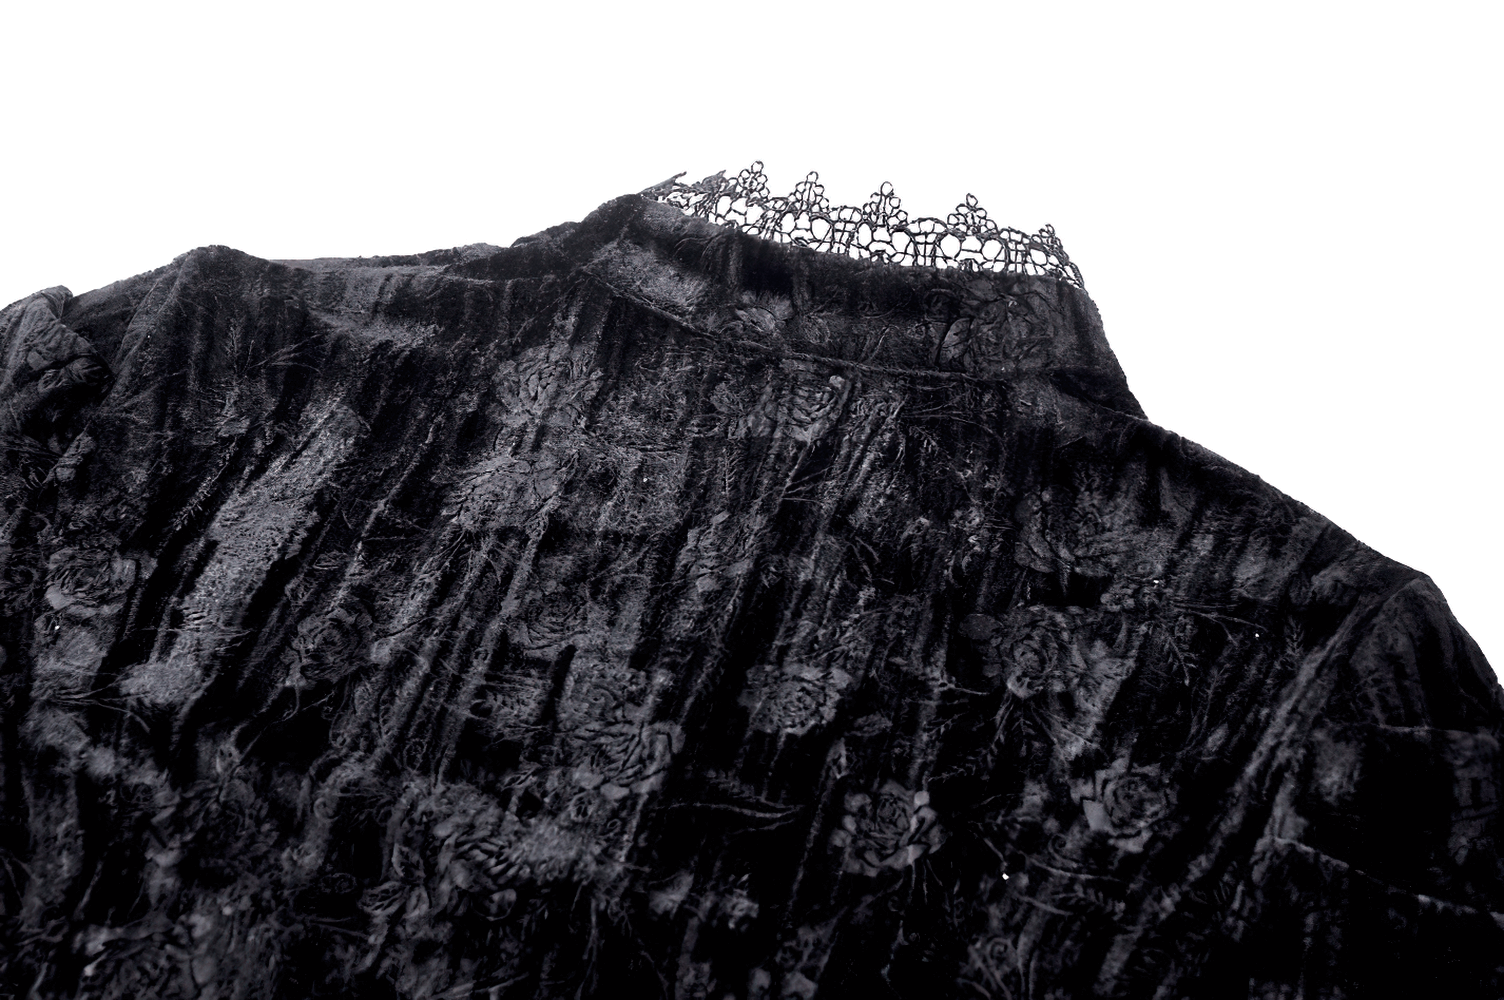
(879, 230)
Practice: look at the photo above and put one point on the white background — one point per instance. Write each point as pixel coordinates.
(1288, 214)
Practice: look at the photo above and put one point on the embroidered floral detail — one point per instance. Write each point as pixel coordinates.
(892, 829)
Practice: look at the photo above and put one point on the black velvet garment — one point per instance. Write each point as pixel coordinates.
(648, 609)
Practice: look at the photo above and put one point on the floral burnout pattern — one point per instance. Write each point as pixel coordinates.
(890, 829)
(1126, 804)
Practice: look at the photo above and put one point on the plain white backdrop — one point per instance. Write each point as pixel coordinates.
(1289, 215)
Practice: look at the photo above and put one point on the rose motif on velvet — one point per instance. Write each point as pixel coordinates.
(331, 645)
(82, 579)
(1030, 659)
(1027, 648)
(610, 736)
(1126, 804)
(890, 829)
(624, 757)
(796, 704)
(795, 698)
(1139, 583)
